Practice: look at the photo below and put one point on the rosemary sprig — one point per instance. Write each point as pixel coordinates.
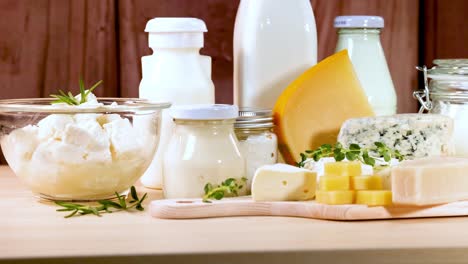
(69, 99)
(229, 187)
(105, 206)
(378, 152)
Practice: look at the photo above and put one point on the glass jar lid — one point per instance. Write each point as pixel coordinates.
(253, 118)
(450, 69)
(204, 112)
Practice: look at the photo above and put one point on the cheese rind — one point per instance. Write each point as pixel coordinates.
(311, 110)
(335, 197)
(281, 182)
(374, 197)
(430, 181)
(413, 135)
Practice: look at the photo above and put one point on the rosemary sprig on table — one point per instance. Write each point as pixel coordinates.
(69, 98)
(105, 205)
(229, 187)
(368, 156)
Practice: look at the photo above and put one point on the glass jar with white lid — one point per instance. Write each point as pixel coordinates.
(257, 142)
(203, 149)
(447, 94)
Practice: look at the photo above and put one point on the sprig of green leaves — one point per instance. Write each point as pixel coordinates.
(369, 156)
(229, 187)
(69, 98)
(105, 206)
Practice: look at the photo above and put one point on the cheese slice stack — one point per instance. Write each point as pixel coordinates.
(430, 181)
(312, 109)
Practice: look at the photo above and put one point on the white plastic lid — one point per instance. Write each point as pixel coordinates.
(175, 25)
(359, 22)
(205, 112)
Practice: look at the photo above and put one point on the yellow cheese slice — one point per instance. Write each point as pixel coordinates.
(334, 197)
(374, 198)
(343, 168)
(334, 183)
(367, 182)
(312, 108)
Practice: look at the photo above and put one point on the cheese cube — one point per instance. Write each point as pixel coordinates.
(343, 168)
(372, 182)
(281, 182)
(334, 183)
(430, 181)
(374, 198)
(335, 197)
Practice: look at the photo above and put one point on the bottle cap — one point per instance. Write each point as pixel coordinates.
(204, 112)
(252, 118)
(175, 32)
(359, 22)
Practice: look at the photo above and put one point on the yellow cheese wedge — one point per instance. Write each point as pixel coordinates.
(334, 197)
(374, 198)
(367, 182)
(311, 110)
(333, 183)
(343, 168)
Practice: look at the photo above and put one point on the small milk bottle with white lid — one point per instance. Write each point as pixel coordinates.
(176, 72)
(360, 35)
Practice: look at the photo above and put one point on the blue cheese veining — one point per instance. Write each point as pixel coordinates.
(414, 135)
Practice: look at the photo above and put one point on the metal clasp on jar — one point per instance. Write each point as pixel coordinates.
(423, 95)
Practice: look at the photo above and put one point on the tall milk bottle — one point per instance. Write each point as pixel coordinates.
(360, 35)
(274, 42)
(176, 72)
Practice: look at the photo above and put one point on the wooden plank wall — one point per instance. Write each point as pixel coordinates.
(46, 44)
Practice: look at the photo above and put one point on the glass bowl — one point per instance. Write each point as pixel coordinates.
(79, 153)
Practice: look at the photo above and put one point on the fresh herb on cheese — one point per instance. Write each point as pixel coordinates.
(368, 156)
(70, 99)
(105, 205)
(229, 187)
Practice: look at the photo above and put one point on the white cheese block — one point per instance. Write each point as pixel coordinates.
(413, 135)
(430, 181)
(281, 182)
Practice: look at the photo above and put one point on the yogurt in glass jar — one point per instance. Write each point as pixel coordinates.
(203, 149)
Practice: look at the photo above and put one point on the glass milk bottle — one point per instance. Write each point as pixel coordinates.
(177, 73)
(360, 35)
(203, 150)
(274, 42)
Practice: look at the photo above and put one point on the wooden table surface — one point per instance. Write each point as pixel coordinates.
(31, 231)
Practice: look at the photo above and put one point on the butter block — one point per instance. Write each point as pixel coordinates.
(335, 197)
(366, 182)
(430, 181)
(374, 198)
(281, 182)
(343, 168)
(334, 183)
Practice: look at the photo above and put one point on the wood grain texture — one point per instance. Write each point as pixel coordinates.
(399, 38)
(195, 208)
(34, 232)
(219, 16)
(48, 44)
(445, 30)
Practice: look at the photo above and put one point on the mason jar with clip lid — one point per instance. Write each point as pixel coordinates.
(447, 94)
(258, 144)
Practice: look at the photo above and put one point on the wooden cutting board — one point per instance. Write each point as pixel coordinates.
(195, 208)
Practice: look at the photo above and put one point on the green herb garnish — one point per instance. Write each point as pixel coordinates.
(378, 152)
(69, 99)
(229, 187)
(105, 205)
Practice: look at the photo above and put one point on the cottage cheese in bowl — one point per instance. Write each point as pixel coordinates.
(82, 156)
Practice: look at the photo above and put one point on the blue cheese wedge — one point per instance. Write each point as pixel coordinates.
(413, 135)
